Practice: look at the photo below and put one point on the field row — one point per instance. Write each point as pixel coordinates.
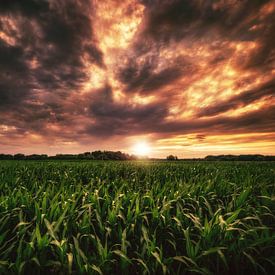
(137, 217)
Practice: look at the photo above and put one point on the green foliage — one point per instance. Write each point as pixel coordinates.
(137, 217)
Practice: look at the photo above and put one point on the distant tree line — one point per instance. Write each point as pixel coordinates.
(111, 155)
(96, 155)
(240, 158)
(256, 157)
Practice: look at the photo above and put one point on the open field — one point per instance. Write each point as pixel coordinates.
(107, 217)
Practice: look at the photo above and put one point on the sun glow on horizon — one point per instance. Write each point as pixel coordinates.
(141, 148)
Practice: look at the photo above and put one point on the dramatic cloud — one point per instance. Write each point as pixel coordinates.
(191, 77)
(267, 90)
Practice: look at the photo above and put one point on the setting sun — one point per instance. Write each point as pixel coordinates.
(141, 148)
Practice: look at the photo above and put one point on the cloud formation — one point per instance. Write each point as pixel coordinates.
(80, 75)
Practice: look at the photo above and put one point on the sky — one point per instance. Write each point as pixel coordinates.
(186, 77)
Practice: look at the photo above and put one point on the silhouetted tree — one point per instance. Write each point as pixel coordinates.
(36, 157)
(6, 157)
(171, 157)
(19, 156)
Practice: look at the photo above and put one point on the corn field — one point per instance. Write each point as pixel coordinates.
(108, 217)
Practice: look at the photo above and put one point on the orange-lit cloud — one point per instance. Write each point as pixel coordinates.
(189, 77)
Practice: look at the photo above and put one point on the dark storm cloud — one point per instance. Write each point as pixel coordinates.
(176, 19)
(264, 57)
(121, 118)
(143, 78)
(240, 100)
(169, 19)
(68, 36)
(256, 121)
(51, 42)
(13, 75)
(55, 37)
(11, 58)
(136, 123)
(26, 7)
(194, 21)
